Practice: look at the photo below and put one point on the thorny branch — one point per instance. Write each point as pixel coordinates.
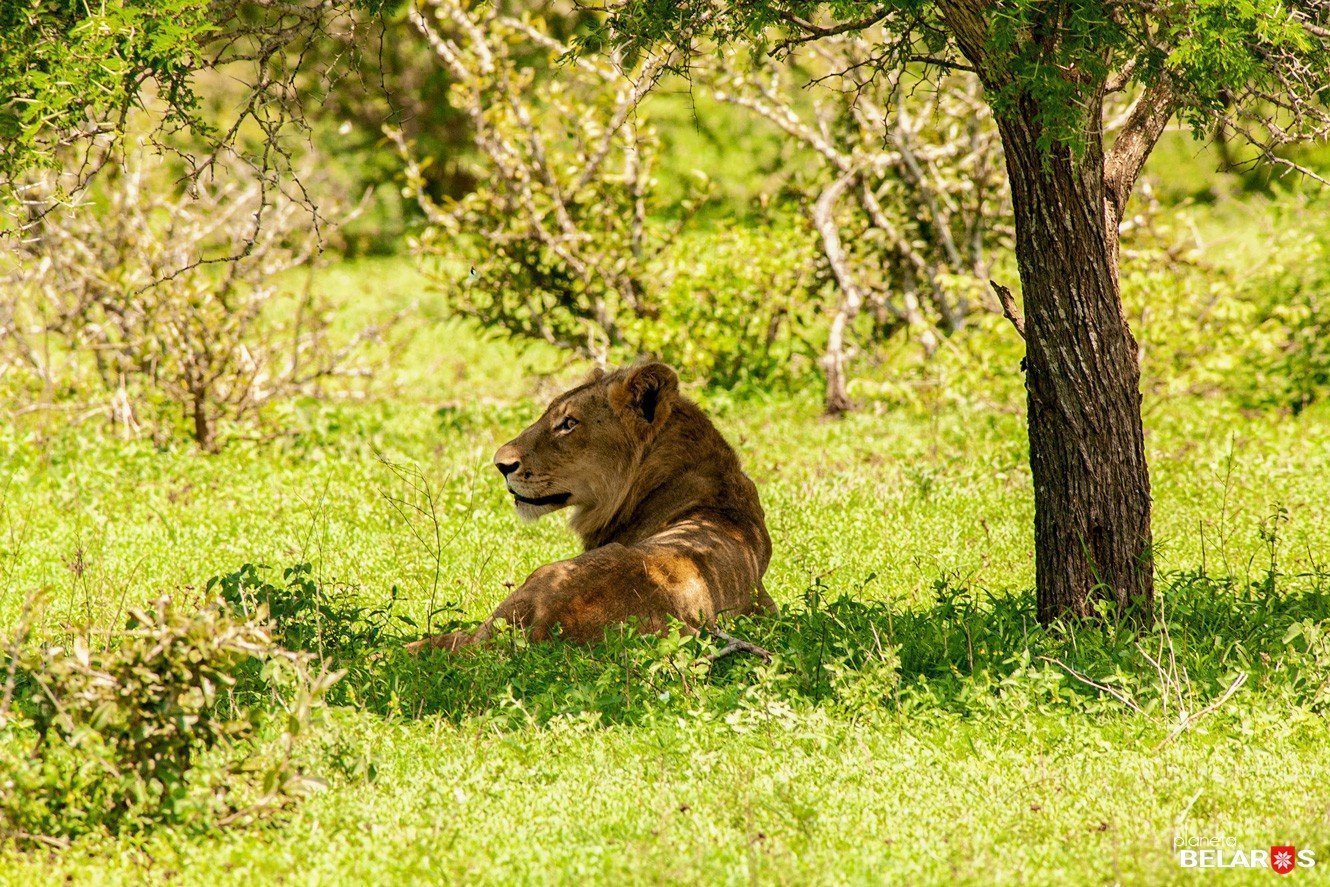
(557, 237)
(115, 306)
(261, 47)
(911, 201)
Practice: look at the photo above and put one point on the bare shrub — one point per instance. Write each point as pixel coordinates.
(114, 308)
(555, 241)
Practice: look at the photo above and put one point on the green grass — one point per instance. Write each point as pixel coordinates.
(982, 763)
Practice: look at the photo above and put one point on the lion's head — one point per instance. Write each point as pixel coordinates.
(585, 449)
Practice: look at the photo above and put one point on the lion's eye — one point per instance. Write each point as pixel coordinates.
(568, 424)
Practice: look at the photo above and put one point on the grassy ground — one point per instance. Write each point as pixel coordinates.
(976, 762)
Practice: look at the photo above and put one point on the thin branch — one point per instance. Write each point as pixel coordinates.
(817, 32)
(935, 62)
(1103, 688)
(1188, 721)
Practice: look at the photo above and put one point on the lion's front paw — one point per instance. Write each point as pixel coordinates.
(452, 642)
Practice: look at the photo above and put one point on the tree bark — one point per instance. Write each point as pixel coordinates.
(1087, 452)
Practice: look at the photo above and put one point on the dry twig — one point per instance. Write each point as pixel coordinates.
(1009, 309)
(735, 645)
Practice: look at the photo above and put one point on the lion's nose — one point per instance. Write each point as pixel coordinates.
(508, 459)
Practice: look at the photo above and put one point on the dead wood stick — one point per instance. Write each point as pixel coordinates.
(736, 645)
(1009, 309)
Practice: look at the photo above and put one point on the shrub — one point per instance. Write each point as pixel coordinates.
(149, 731)
(742, 308)
(553, 243)
(308, 617)
(126, 308)
(1253, 327)
(909, 202)
(1287, 348)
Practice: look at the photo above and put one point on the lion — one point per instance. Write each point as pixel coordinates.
(671, 527)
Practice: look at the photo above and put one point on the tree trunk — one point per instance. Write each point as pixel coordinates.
(203, 430)
(1087, 453)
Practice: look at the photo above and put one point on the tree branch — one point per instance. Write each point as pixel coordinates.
(736, 645)
(1123, 162)
(1119, 81)
(933, 61)
(852, 297)
(817, 32)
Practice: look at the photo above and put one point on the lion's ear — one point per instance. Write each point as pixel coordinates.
(595, 375)
(646, 390)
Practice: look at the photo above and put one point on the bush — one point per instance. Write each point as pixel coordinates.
(554, 243)
(1287, 349)
(743, 308)
(1254, 327)
(150, 731)
(123, 310)
(308, 617)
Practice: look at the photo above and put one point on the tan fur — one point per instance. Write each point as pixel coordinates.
(671, 526)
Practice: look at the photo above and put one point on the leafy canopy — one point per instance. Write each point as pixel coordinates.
(73, 73)
(1213, 58)
(69, 67)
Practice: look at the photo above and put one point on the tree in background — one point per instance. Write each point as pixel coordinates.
(555, 244)
(1050, 70)
(564, 239)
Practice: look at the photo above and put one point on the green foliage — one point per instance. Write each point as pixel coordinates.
(1286, 355)
(1254, 48)
(1047, 57)
(1045, 60)
(68, 65)
(833, 652)
(824, 650)
(968, 653)
(1252, 326)
(308, 617)
(743, 308)
(147, 731)
(80, 82)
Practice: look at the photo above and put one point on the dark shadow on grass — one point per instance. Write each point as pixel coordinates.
(966, 652)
